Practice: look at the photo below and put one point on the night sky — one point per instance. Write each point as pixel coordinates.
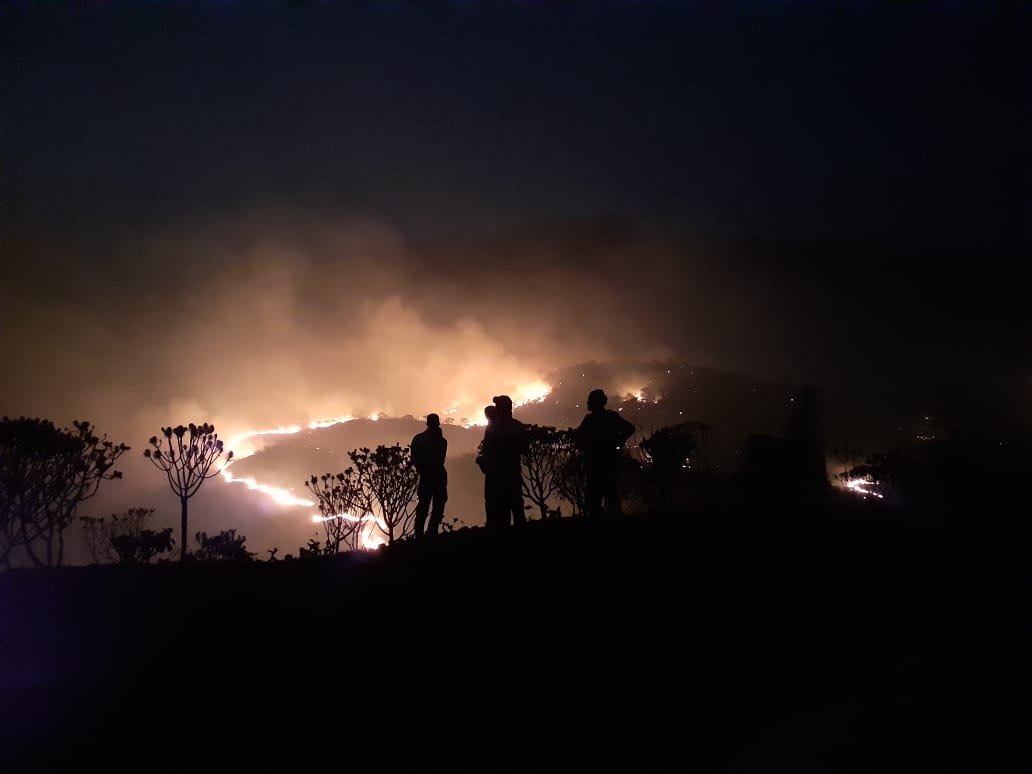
(263, 213)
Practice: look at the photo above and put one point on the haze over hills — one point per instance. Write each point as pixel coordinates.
(652, 394)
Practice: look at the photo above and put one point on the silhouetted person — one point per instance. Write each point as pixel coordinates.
(600, 438)
(494, 508)
(429, 448)
(505, 440)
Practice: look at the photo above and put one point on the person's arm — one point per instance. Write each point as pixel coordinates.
(580, 434)
(487, 445)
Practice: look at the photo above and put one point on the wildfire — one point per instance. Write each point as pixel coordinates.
(864, 487)
(372, 533)
(535, 392)
(279, 495)
(243, 445)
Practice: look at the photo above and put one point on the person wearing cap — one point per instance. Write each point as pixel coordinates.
(601, 437)
(494, 511)
(506, 441)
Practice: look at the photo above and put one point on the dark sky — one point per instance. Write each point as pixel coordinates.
(264, 213)
(762, 118)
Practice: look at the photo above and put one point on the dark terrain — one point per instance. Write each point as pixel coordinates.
(836, 639)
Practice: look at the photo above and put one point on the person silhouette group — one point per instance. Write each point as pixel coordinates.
(500, 458)
(599, 438)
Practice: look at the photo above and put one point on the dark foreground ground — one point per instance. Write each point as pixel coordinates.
(775, 643)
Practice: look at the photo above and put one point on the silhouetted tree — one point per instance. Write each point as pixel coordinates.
(313, 550)
(670, 455)
(124, 538)
(141, 548)
(225, 546)
(343, 505)
(187, 462)
(847, 457)
(45, 472)
(389, 482)
(543, 461)
(572, 474)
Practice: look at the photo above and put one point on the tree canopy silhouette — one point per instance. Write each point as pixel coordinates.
(45, 472)
(543, 459)
(187, 463)
(343, 507)
(389, 481)
(671, 454)
(572, 475)
(226, 546)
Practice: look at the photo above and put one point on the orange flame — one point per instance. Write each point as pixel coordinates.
(372, 533)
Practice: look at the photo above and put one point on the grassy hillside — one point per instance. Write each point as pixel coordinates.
(828, 641)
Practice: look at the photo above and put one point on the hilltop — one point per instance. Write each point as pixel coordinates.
(835, 640)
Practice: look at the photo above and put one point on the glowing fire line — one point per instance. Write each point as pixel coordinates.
(243, 448)
(372, 534)
(862, 488)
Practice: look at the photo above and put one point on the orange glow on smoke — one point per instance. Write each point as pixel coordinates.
(533, 392)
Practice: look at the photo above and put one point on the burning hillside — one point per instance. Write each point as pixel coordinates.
(651, 395)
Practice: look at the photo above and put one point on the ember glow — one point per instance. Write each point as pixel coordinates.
(372, 533)
(864, 487)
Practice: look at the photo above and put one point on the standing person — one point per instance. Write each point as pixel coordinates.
(429, 448)
(494, 516)
(509, 438)
(600, 438)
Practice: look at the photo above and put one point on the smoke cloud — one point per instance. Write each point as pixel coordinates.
(274, 318)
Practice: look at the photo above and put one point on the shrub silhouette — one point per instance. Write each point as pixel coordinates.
(124, 538)
(670, 457)
(140, 549)
(225, 546)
